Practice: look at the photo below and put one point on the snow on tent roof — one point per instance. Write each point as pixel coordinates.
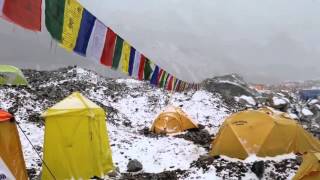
(76, 101)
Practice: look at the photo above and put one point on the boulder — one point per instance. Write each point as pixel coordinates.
(258, 168)
(134, 166)
(248, 101)
(228, 85)
(280, 103)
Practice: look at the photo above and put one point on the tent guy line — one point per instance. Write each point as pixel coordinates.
(33, 147)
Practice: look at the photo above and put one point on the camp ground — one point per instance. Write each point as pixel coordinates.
(159, 90)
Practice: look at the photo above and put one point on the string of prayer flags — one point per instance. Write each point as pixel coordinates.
(76, 29)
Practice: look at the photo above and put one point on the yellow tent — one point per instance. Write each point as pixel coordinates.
(172, 120)
(310, 167)
(11, 158)
(76, 143)
(262, 132)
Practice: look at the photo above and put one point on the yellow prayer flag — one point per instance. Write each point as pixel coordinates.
(71, 24)
(125, 57)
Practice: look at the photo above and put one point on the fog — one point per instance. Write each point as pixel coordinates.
(265, 41)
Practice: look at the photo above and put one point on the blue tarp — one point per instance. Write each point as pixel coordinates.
(309, 94)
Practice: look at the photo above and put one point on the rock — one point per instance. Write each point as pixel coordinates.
(306, 114)
(248, 101)
(134, 166)
(258, 168)
(114, 173)
(279, 103)
(229, 86)
(198, 136)
(299, 160)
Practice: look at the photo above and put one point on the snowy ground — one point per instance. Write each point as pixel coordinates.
(132, 105)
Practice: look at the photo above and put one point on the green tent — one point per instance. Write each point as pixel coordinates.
(10, 75)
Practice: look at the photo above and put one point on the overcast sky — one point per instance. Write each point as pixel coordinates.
(264, 41)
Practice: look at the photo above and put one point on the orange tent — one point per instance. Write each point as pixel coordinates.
(172, 120)
(262, 132)
(11, 157)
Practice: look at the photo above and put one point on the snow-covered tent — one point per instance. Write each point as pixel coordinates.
(262, 132)
(172, 120)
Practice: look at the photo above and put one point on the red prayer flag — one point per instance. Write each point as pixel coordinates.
(159, 76)
(141, 67)
(108, 50)
(26, 13)
(169, 88)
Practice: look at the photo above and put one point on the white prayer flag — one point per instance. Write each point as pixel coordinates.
(97, 41)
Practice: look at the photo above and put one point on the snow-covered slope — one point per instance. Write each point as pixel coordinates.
(132, 106)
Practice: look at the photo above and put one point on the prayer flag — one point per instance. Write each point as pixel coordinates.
(107, 55)
(136, 65)
(96, 41)
(141, 67)
(147, 69)
(117, 53)
(86, 27)
(154, 78)
(131, 61)
(125, 57)
(54, 18)
(25, 13)
(169, 86)
(1, 7)
(71, 24)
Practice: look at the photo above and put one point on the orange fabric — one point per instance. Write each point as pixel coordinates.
(5, 116)
(10, 149)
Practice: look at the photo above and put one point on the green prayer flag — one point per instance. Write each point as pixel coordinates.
(54, 14)
(117, 53)
(147, 70)
(163, 78)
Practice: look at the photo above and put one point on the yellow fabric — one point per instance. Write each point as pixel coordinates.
(263, 133)
(10, 150)
(172, 120)
(71, 24)
(76, 143)
(227, 135)
(125, 57)
(310, 167)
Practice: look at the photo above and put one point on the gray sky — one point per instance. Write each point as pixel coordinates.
(265, 41)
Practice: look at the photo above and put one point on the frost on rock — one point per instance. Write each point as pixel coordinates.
(306, 112)
(278, 101)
